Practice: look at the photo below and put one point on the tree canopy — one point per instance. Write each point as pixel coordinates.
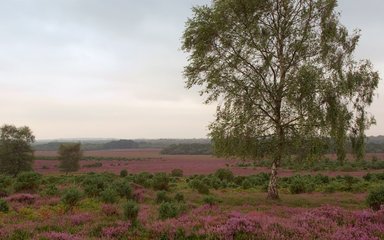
(16, 154)
(70, 155)
(283, 74)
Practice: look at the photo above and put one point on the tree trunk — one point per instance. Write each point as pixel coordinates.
(272, 186)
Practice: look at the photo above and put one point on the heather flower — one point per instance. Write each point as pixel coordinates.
(60, 236)
(79, 219)
(116, 230)
(109, 209)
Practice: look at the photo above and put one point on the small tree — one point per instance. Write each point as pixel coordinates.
(16, 154)
(69, 156)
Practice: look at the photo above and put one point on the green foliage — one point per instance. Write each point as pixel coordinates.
(224, 174)
(210, 200)
(131, 210)
(297, 186)
(200, 186)
(71, 198)
(169, 210)
(375, 198)
(273, 96)
(16, 153)
(50, 190)
(144, 179)
(160, 181)
(4, 208)
(70, 155)
(123, 189)
(123, 173)
(179, 197)
(188, 149)
(109, 195)
(94, 184)
(5, 182)
(161, 196)
(177, 173)
(27, 181)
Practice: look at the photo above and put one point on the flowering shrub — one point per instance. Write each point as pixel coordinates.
(116, 230)
(59, 236)
(109, 209)
(24, 198)
(80, 218)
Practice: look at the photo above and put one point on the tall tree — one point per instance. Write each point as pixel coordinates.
(70, 155)
(16, 153)
(281, 71)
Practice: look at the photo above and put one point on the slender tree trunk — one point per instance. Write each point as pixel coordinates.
(272, 186)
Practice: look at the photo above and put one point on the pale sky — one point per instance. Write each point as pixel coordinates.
(113, 69)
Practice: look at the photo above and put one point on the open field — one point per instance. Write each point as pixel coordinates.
(150, 160)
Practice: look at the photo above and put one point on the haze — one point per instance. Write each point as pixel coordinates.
(94, 68)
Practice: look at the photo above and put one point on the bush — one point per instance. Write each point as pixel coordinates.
(4, 206)
(124, 189)
(131, 210)
(51, 190)
(199, 186)
(246, 184)
(144, 179)
(71, 198)
(28, 181)
(5, 181)
(375, 198)
(160, 181)
(297, 186)
(123, 173)
(177, 173)
(109, 195)
(168, 210)
(224, 174)
(94, 184)
(161, 196)
(211, 200)
(179, 197)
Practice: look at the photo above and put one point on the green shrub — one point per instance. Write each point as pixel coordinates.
(131, 210)
(375, 198)
(246, 184)
(124, 189)
(203, 189)
(51, 190)
(109, 195)
(71, 198)
(94, 184)
(224, 174)
(4, 206)
(144, 179)
(177, 173)
(168, 210)
(179, 197)
(160, 181)
(5, 181)
(123, 173)
(27, 181)
(297, 186)
(211, 200)
(161, 196)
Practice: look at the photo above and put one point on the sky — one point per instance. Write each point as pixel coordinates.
(113, 69)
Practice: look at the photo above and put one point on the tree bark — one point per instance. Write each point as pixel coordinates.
(272, 186)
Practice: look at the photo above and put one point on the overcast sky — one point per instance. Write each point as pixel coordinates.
(100, 69)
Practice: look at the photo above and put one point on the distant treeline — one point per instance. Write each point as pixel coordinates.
(188, 149)
(117, 144)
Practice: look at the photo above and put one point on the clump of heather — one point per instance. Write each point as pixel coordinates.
(79, 219)
(59, 236)
(117, 230)
(109, 209)
(24, 198)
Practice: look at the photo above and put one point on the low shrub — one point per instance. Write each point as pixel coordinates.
(160, 181)
(71, 198)
(375, 198)
(131, 211)
(123, 188)
(27, 181)
(224, 174)
(5, 181)
(210, 200)
(50, 190)
(297, 186)
(177, 173)
(168, 210)
(109, 195)
(4, 206)
(179, 197)
(123, 173)
(161, 196)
